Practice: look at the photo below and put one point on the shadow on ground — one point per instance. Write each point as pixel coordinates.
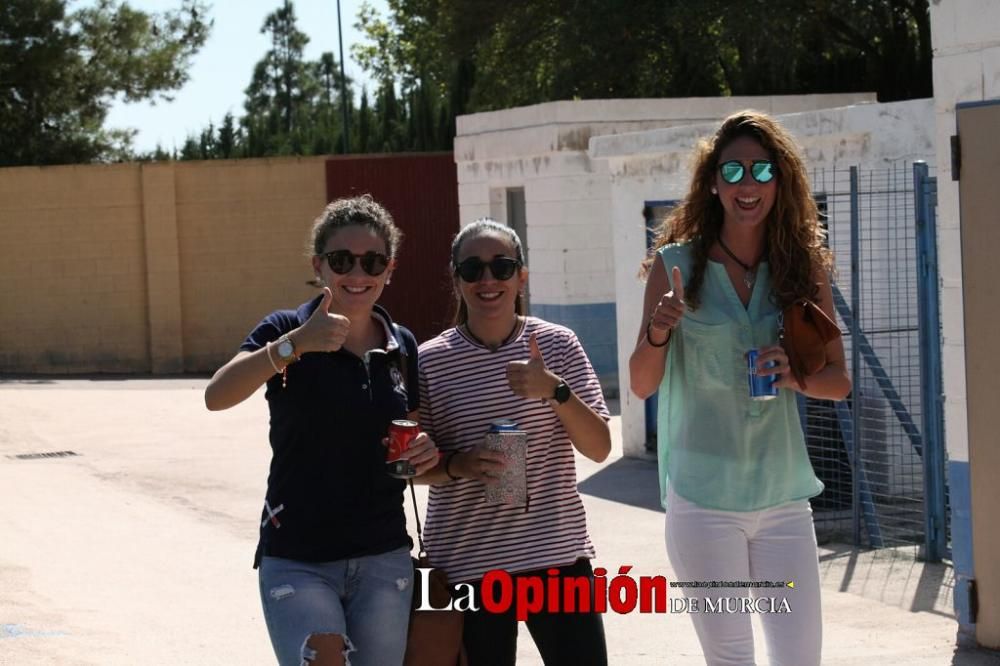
(628, 481)
(974, 657)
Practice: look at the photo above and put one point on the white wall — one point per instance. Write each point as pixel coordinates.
(965, 35)
(655, 165)
(566, 200)
(543, 149)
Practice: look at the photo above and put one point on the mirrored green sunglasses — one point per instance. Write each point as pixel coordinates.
(763, 171)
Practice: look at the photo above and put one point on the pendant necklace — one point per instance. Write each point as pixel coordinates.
(493, 348)
(750, 274)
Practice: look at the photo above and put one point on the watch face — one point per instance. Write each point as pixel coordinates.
(286, 349)
(562, 393)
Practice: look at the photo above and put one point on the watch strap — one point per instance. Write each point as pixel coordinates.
(562, 393)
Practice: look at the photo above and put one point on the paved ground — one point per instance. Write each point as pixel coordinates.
(138, 550)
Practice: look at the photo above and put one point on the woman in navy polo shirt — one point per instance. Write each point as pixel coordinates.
(334, 564)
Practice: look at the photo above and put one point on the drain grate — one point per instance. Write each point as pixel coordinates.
(45, 454)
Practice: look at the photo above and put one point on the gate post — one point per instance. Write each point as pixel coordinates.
(856, 391)
(931, 387)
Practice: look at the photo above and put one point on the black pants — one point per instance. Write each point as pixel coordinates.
(574, 639)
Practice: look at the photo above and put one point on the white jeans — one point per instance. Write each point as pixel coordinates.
(776, 544)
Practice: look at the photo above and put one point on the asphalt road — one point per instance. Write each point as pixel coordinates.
(138, 548)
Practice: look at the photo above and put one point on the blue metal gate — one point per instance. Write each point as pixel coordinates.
(881, 451)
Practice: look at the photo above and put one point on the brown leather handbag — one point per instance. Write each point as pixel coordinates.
(434, 637)
(804, 331)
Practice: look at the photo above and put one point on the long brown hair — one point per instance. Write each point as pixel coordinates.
(794, 236)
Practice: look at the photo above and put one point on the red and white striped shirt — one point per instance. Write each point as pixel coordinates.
(463, 389)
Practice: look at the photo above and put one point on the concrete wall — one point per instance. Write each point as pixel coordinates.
(73, 269)
(654, 165)
(966, 40)
(242, 230)
(149, 268)
(570, 222)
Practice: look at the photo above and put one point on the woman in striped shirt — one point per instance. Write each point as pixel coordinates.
(497, 364)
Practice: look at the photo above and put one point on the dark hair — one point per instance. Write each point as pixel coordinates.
(794, 236)
(348, 212)
(483, 227)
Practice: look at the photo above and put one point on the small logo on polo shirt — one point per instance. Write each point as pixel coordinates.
(398, 383)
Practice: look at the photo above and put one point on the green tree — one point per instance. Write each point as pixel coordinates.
(364, 123)
(483, 55)
(191, 150)
(283, 85)
(293, 106)
(226, 144)
(207, 144)
(60, 71)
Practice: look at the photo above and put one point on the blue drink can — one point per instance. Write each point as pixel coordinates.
(761, 386)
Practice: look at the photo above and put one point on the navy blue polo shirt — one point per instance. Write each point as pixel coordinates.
(328, 496)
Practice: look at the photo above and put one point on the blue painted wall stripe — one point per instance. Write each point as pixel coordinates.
(960, 496)
(595, 324)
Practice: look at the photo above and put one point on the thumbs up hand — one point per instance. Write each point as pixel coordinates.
(324, 330)
(671, 308)
(530, 378)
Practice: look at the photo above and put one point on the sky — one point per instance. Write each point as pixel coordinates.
(222, 69)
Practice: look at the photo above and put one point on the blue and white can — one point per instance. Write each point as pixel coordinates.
(761, 386)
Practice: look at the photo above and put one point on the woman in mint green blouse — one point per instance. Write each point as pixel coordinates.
(735, 476)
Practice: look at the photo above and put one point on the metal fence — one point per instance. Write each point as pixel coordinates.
(880, 452)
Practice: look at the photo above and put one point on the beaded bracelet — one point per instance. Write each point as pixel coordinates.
(274, 365)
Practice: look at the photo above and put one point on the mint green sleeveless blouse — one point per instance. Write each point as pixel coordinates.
(716, 447)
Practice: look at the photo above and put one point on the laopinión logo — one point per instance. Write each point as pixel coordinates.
(620, 594)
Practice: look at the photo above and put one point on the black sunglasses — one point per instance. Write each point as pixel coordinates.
(763, 171)
(341, 262)
(502, 268)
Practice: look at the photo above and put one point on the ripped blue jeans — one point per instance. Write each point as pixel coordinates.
(365, 599)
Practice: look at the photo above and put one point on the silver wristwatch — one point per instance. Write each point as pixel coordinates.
(286, 349)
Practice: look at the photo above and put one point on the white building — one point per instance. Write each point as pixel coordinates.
(530, 167)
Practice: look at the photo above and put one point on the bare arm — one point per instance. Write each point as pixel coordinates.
(587, 429)
(589, 433)
(244, 373)
(238, 379)
(662, 310)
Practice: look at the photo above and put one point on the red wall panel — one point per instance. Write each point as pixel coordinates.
(421, 192)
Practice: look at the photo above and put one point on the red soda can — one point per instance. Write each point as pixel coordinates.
(401, 433)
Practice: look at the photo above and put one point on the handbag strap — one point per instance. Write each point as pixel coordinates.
(416, 516)
(413, 493)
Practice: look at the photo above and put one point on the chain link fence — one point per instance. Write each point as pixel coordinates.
(871, 450)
